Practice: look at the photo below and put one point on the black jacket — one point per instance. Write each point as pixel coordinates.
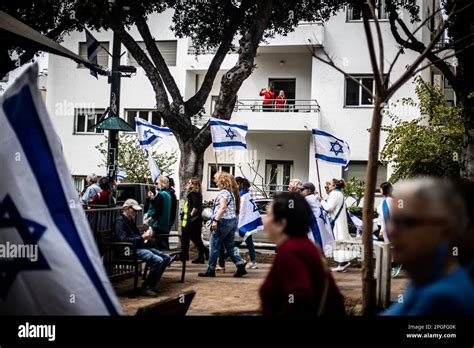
(125, 230)
(174, 205)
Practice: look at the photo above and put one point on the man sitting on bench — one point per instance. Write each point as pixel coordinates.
(126, 230)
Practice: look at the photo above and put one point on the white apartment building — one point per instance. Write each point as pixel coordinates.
(280, 143)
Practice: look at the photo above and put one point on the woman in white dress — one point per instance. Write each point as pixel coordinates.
(336, 208)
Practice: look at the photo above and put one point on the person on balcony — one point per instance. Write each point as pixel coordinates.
(280, 102)
(268, 98)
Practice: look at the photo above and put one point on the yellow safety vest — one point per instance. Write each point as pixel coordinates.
(185, 214)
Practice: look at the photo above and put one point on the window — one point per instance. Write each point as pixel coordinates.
(79, 182)
(151, 116)
(85, 119)
(166, 48)
(228, 168)
(358, 169)
(278, 174)
(354, 14)
(102, 55)
(355, 95)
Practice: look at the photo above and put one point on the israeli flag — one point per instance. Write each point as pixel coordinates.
(148, 136)
(356, 221)
(331, 149)
(227, 135)
(93, 48)
(121, 174)
(250, 220)
(50, 264)
(320, 231)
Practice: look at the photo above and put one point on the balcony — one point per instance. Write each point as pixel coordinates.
(298, 115)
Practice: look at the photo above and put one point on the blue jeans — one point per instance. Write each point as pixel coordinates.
(251, 247)
(223, 237)
(158, 261)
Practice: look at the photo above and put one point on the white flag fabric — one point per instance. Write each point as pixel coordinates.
(50, 263)
(331, 149)
(148, 136)
(320, 231)
(227, 135)
(250, 220)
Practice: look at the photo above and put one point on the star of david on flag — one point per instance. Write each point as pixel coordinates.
(227, 135)
(148, 136)
(331, 149)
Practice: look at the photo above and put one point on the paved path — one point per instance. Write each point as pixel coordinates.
(225, 295)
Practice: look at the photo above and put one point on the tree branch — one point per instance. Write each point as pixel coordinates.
(156, 55)
(378, 75)
(195, 103)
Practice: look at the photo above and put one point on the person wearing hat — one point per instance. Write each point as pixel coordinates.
(320, 230)
(126, 230)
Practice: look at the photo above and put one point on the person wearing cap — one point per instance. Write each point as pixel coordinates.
(320, 230)
(126, 230)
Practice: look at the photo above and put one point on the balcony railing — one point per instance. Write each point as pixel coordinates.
(292, 105)
(256, 105)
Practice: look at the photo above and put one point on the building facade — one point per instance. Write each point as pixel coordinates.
(280, 144)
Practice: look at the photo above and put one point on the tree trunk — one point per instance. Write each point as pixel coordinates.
(191, 163)
(368, 281)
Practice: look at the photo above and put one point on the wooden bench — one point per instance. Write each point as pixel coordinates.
(121, 260)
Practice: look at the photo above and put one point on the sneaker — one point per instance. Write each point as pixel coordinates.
(148, 292)
(220, 269)
(341, 268)
(208, 273)
(252, 265)
(240, 271)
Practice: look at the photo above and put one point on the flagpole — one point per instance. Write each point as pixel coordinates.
(319, 179)
(217, 164)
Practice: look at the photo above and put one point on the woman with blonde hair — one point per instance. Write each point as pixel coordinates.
(224, 224)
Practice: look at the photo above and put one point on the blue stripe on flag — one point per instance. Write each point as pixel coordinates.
(315, 231)
(161, 129)
(24, 119)
(330, 159)
(320, 132)
(222, 123)
(251, 226)
(230, 144)
(149, 140)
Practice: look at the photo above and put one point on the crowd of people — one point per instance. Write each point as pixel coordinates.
(428, 223)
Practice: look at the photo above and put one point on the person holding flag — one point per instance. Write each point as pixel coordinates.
(320, 229)
(336, 208)
(148, 136)
(250, 220)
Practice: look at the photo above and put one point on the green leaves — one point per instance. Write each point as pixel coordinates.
(431, 143)
(132, 159)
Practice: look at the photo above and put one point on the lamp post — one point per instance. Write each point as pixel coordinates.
(113, 123)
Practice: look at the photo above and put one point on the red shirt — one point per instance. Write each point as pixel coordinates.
(280, 102)
(101, 198)
(295, 284)
(267, 97)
